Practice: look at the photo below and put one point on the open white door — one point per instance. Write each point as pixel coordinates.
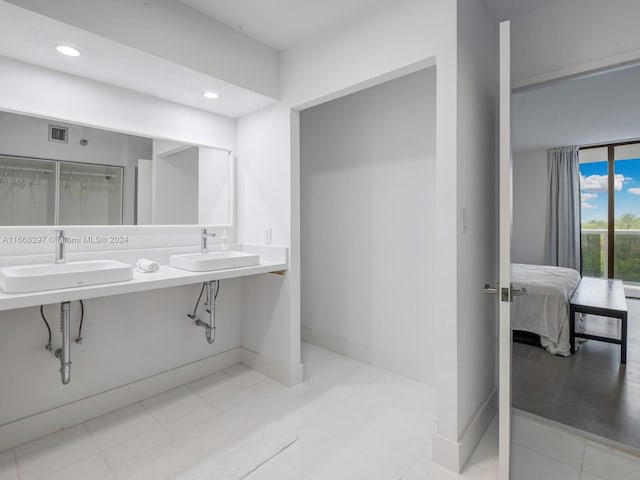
(504, 288)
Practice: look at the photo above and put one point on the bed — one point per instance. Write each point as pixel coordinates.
(545, 310)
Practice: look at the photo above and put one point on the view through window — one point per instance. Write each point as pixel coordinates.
(619, 240)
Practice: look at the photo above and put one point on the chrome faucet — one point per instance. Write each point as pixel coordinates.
(59, 240)
(203, 240)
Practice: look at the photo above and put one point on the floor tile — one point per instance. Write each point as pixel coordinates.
(548, 440)
(274, 469)
(193, 424)
(312, 449)
(174, 404)
(119, 426)
(54, 452)
(611, 464)
(589, 476)
(245, 374)
(8, 467)
(349, 464)
(266, 392)
(92, 468)
(591, 390)
(527, 464)
(486, 452)
(353, 421)
(131, 450)
(425, 469)
(217, 386)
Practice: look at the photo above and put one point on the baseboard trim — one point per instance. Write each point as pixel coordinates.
(379, 358)
(455, 455)
(285, 374)
(35, 426)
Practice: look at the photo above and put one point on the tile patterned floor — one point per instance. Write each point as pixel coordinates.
(545, 451)
(353, 421)
(590, 390)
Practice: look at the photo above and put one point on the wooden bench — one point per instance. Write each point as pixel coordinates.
(602, 297)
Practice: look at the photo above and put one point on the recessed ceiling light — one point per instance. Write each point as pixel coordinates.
(211, 95)
(68, 51)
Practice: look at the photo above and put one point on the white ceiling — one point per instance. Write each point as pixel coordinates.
(30, 37)
(589, 110)
(508, 9)
(282, 24)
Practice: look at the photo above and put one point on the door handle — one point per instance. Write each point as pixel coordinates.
(506, 295)
(489, 289)
(518, 292)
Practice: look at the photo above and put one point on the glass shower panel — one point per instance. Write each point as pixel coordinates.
(27, 191)
(90, 194)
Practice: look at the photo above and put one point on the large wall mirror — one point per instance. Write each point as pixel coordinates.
(56, 173)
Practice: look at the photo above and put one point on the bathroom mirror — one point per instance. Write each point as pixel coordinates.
(57, 173)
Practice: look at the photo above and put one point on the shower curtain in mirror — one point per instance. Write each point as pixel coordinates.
(562, 236)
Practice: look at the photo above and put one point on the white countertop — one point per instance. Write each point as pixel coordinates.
(166, 277)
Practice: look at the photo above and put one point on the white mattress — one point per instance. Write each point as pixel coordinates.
(545, 310)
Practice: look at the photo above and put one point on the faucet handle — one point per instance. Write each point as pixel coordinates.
(207, 234)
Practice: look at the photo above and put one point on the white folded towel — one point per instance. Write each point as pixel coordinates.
(147, 266)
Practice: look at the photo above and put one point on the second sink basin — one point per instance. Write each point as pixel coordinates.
(51, 276)
(218, 260)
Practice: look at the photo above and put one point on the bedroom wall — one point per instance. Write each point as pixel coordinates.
(573, 36)
(563, 39)
(367, 212)
(529, 207)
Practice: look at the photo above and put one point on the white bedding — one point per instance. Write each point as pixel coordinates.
(545, 310)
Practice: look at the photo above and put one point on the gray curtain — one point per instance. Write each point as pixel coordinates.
(562, 236)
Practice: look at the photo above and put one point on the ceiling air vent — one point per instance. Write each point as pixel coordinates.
(58, 134)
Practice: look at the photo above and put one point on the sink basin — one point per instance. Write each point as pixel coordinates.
(51, 276)
(218, 260)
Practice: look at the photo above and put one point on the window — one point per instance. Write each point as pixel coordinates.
(610, 194)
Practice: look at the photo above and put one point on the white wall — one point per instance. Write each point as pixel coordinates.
(214, 187)
(175, 188)
(529, 207)
(396, 39)
(476, 182)
(264, 175)
(392, 38)
(174, 32)
(125, 339)
(267, 159)
(367, 211)
(573, 36)
(144, 189)
(26, 89)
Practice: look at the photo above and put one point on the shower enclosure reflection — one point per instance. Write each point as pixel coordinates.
(54, 173)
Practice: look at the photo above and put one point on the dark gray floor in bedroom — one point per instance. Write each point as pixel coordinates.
(590, 390)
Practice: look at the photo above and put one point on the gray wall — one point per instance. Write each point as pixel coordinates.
(476, 187)
(367, 212)
(529, 207)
